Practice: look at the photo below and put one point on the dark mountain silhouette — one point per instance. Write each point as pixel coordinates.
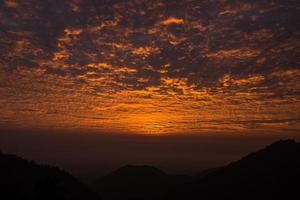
(270, 173)
(137, 182)
(24, 180)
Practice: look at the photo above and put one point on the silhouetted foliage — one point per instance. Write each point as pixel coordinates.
(24, 180)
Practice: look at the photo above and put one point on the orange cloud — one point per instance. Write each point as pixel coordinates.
(233, 53)
(125, 70)
(287, 73)
(11, 3)
(70, 31)
(249, 80)
(144, 51)
(100, 65)
(172, 20)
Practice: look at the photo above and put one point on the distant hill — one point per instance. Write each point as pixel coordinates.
(137, 182)
(270, 173)
(24, 180)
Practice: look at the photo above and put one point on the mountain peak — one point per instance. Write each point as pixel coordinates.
(282, 143)
(269, 173)
(281, 151)
(282, 147)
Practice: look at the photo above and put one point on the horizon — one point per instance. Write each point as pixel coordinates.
(86, 155)
(92, 85)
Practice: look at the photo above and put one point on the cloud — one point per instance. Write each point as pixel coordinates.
(193, 68)
(10, 3)
(172, 20)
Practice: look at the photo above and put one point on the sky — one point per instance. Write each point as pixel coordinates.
(91, 85)
(150, 66)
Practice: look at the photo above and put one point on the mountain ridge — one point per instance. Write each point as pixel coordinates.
(27, 180)
(270, 172)
(267, 173)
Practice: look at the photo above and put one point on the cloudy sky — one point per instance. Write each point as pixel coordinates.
(150, 66)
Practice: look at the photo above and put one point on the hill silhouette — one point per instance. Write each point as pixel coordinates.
(24, 180)
(137, 182)
(270, 173)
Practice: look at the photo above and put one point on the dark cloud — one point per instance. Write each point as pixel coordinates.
(215, 55)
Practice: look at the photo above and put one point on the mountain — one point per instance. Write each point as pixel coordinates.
(24, 180)
(270, 173)
(137, 182)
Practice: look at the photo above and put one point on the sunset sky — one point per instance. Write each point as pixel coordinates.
(185, 85)
(150, 66)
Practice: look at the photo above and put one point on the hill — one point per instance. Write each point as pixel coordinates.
(137, 182)
(270, 173)
(24, 180)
